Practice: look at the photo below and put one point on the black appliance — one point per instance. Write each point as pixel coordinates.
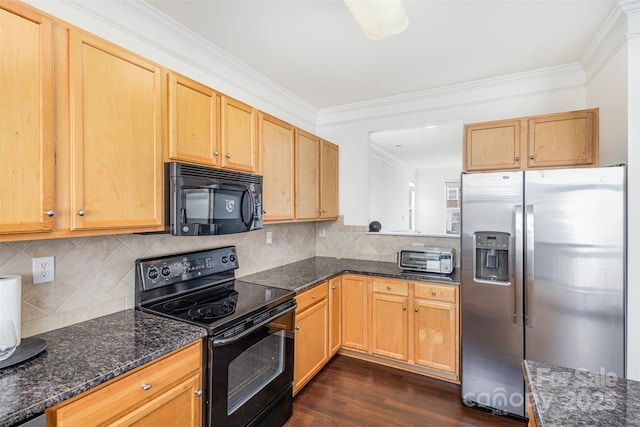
(202, 200)
(249, 356)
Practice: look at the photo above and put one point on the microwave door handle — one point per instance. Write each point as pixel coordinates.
(251, 209)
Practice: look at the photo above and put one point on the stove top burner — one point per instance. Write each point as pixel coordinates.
(178, 305)
(215, 310)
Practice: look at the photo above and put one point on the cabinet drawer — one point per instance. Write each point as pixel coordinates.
(391, 287)
(311, 296)
(123, 394)
(435, 292)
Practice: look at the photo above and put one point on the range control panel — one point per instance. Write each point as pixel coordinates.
(171, 269)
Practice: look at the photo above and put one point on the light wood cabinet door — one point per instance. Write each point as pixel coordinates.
(493, 146)
(277, 151)
(389, 326)
(194, 121)
(566, 139)
(239, 142)
(436, 335)
(355, 312)
(311, 341)
(164, 392)
(26, 120)
(116, 143)
(335, 324)
(329, 181)
(307, 176)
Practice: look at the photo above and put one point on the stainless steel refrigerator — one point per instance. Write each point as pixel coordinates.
(543, 277)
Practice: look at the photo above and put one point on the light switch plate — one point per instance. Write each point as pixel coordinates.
(43, 269)
(269, 237)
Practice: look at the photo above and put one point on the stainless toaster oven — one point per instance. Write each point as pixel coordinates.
(428, 260)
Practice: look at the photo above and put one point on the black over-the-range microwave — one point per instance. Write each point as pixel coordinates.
(204, 201)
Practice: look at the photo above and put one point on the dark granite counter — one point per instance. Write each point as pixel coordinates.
(300, 275)
(569, 397)
(84, 355)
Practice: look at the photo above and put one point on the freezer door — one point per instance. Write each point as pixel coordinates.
(492, 331)
(575, 268)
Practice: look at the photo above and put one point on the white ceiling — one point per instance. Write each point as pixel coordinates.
(315, 50)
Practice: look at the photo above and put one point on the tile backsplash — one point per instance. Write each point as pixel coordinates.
(94, 276)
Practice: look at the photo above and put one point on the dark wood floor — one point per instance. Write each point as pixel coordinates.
(351, 392)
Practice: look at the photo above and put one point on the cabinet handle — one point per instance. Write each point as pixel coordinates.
(215, 153)
(50, 213)
(198, 393)
(228, 156)
(297, 328)
(81, 212)
(322, 211)
(313, 297)
(146, 386)
(532, 157)
(388, 288)
(517, 158)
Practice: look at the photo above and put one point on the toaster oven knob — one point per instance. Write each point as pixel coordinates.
(232, 258)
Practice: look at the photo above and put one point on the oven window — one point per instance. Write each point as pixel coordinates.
(255, 368)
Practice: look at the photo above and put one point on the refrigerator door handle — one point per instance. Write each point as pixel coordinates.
(518, 263)
(529, 318)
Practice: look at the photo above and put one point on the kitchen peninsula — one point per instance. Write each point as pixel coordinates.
(561, 397)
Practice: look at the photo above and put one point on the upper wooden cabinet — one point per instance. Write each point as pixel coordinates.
(316, 178)
(554, 140)
(116, 137)
(239, 141)
(26, 114)
(277, 162)
(193, 122)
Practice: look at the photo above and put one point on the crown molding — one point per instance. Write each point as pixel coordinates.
(534, 82)
(137, 26)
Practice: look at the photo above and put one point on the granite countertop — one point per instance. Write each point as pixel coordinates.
(84, 355)
(303, 274)
(563, 397)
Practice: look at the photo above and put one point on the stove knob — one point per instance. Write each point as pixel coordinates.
(225, 259)
(152, 272)
(166, 271)
(232, 257)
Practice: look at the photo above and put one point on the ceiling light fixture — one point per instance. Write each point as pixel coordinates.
(379, 18)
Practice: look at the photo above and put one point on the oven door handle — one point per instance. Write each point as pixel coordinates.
(219, 342)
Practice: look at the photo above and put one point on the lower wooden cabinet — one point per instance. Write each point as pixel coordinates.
(167, 391)
(335, 319)
(312, 334)
(405, 324)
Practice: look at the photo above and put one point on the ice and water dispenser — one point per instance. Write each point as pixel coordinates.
(492, 256)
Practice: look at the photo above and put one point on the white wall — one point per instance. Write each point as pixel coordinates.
(430, 199)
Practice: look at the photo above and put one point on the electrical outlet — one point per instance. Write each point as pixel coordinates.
(322, 232)
(269, 238)
(43, 269)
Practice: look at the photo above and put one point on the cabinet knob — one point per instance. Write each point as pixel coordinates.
(415, 309)
(532, 157)
(81, 212)
(215, 153)
(146, 386)
(313, 297)
(517, 158)
(388, 288)
(228, 156)
(404, 308)
(198, 393)
(333, 287)
(50, 213)
(297, 328)
(434, 293)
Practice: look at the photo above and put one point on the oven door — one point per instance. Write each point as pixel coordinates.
(251, 375)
